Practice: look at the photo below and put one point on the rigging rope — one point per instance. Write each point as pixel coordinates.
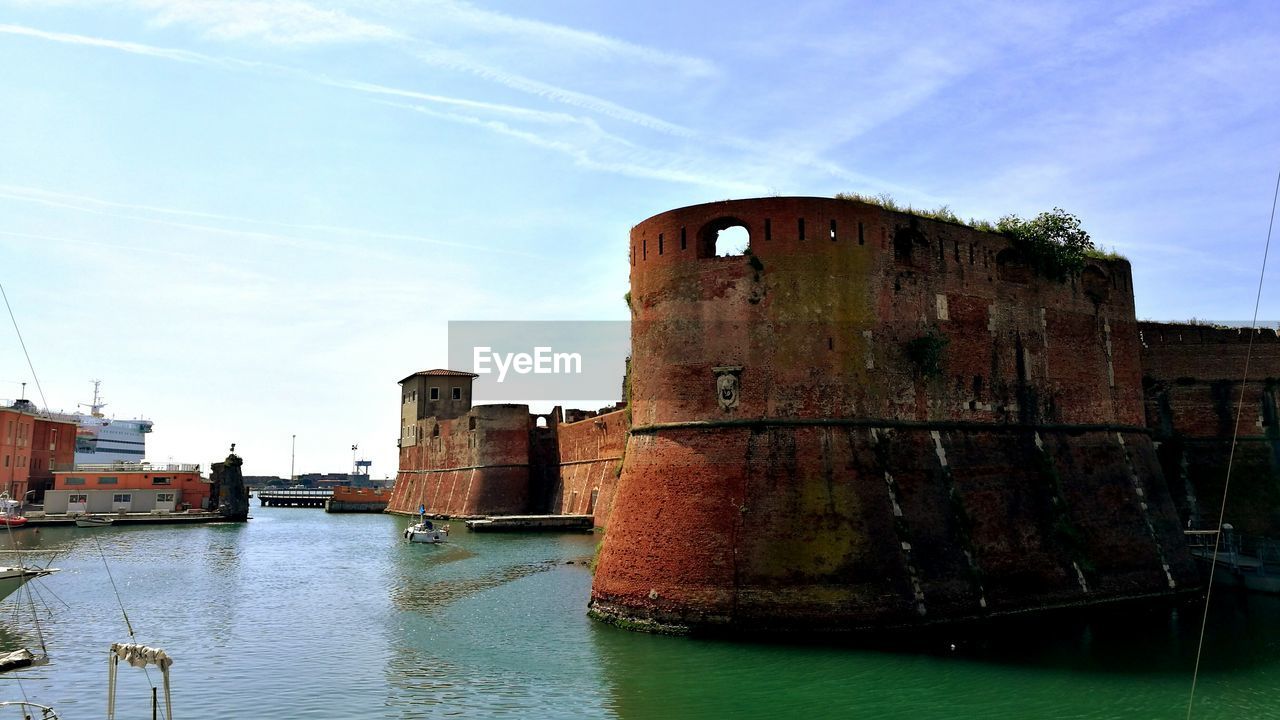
(44, 402)
(120, 602)
(1235, 432)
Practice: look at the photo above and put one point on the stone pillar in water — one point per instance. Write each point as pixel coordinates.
(230, 496)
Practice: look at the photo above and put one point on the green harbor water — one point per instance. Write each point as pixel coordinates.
(301, 614)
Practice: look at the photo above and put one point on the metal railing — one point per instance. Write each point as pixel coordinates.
(126, 466)
(1237, 548)
(295, 492)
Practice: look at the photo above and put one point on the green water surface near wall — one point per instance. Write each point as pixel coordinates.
(308, 615)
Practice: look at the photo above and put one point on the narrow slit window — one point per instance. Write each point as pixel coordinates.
(683, 239)
(644, 249)
(833, 231)
(768, 231)
(800, 224)
(659, 243)
(862, 240)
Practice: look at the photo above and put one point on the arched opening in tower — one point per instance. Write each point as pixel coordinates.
(723, 237)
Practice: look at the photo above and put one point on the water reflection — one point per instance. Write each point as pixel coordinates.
(304, 614)
(1112, 665)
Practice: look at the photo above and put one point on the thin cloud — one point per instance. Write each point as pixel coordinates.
(460, 62)
(511, 110)
(584, 158)
(776, 157)
(278, 22)
(174, 54)
(567, 39)
(96, 206)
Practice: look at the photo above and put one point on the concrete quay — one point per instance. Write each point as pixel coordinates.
(118, 519)
(524, 523)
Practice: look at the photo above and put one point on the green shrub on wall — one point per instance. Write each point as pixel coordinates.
(925, 352)
(1052, 242)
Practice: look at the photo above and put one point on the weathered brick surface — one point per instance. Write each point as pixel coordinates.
(1192, 378)
(590, 454)
(853, 484)
(496, 460)
(476, 464)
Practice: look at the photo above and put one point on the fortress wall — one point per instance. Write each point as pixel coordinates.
(854, 480)
(820, 319)
(1192, 376)
(858, 528)
(591, 453)
(456, 470)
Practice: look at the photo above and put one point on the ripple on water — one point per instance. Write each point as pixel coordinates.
(303, 614)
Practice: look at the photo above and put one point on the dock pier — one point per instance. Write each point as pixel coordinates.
(527, 523)
(294, 497)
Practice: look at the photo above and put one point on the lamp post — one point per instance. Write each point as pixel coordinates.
(293, 447)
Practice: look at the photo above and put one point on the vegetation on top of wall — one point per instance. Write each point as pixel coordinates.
(926, 352)
(1099, 253)
(1204, 323)
(943, 212)
(1052, 242)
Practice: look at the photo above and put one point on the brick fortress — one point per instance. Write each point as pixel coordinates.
(458, 459)
(869, 419)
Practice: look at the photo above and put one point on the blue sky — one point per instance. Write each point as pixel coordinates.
(251, 218)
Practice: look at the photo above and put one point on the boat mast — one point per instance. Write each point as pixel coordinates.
(95, 408)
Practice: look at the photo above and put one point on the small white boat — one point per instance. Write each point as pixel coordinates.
(90, 521)
(12, 578)
(426, 531)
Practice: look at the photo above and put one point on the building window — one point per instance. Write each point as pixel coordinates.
(53, 439)
(164, 497)
(160, 480)
(435, 393)
(122, 498)
(457, 393)
(77, 499)
(107, 481)
(74, 481)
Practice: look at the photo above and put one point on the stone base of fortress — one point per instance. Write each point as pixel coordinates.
(849, 525)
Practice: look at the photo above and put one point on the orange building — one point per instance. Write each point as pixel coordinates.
(128, 487)
(32, 447)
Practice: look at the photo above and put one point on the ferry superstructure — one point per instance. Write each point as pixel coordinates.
(103, 440)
